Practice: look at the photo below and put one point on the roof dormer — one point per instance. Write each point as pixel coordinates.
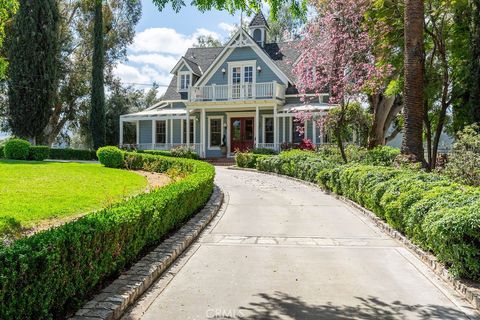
(258, 29)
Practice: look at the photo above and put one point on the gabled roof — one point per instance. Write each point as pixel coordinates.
(258, 20)
(282, 54)
(194, 67)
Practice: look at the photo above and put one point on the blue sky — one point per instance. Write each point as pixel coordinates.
(162, 37)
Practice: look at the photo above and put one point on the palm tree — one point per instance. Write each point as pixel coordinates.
(412, 143)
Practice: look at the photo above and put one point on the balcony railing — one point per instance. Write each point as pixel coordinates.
(247, 91)
(161, 146)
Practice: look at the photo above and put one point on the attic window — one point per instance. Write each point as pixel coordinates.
(184, 81)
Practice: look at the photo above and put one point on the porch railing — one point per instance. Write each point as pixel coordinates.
(247, 91)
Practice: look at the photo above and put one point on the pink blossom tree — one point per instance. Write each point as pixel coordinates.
(337, 57)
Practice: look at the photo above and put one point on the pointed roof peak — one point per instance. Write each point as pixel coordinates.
(258, 20)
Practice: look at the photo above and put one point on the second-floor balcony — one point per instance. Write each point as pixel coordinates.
(232, 92)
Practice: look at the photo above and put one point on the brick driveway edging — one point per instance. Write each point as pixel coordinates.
(114, 300)
(468, 290)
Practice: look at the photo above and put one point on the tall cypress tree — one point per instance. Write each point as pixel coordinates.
(33, 74)
(475, 61)
(97, 112)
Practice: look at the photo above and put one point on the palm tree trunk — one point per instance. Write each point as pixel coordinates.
(412, 143)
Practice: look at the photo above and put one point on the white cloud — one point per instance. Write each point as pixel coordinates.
(228, 27)
(155, 52)
(167, 40)
(160, 61)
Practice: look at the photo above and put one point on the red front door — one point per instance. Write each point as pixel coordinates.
(241, 134)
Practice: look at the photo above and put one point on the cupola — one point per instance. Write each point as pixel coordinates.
(258, 28)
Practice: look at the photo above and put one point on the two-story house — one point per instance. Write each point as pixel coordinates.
(239, 96)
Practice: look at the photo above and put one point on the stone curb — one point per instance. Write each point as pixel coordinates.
(113, 301)
(466, 290)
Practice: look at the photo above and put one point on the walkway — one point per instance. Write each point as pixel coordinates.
(284, 250)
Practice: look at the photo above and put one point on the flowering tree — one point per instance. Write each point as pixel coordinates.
(337, 57)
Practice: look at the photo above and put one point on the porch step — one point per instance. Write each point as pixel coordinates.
(223, 162)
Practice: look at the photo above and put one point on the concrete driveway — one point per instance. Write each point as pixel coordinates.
(284, 250)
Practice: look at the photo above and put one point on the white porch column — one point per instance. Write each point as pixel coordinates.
(154, 128)
(257, 127)
(137, 123)
(321, 130)
(120, 140)
(284, 139)
(314, 130)
(171, 132)
(203, 121)
(188, 127)
(290, 128)
(275, 126)
(305, 129)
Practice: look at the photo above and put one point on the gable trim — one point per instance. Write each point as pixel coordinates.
(228, 49)
(182, 62)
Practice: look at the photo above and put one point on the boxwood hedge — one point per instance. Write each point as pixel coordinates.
(51, 273)
(433, 211)
(72, 154)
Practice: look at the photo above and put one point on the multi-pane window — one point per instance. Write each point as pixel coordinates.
(215, 132)
(248, 80)
(184, 81)
(192, 132)
(269, 130)
(161, 131)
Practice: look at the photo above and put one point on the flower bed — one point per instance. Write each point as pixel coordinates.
(53, 272)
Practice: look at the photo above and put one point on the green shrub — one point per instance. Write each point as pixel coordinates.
(2, 154)
(39, 153)
(16, 149)
(184, 152)
(265, 151)
(464, 161)
(381, 156)
(72, 154)
(53, 272)
(164, 153)
(435, 212)
(111, 157)
(247, 159)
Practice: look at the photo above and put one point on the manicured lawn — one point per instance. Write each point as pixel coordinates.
(36, 192)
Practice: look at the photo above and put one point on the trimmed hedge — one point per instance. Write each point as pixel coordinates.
(111, 157)
(39, 153)
(16, 149)
(437, 214)
(177, 152)
(247, 159)
(52, 273)
(72, 154)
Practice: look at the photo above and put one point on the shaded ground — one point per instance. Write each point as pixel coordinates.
(283, 250)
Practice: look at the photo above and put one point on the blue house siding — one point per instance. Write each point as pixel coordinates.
(244, 54)
(145, 131)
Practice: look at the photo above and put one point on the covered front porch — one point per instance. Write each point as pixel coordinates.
(216, 131)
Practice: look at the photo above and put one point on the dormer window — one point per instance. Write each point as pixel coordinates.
(184, 81)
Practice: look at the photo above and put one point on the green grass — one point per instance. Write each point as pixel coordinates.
(36, 193)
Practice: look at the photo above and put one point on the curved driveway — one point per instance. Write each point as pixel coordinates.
(284, 250)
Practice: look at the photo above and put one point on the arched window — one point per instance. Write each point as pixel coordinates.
(257, 35)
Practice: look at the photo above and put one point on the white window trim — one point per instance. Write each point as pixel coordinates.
(183, 129)
(264, 119)
(179, 77)
(166, 131)
(209, 128)
(242, 64)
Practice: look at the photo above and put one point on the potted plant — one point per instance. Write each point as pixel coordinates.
(223, 147)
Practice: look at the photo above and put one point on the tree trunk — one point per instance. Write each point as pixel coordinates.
(384, 111)
(412, 143)
(97, 113)
(428, 134)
